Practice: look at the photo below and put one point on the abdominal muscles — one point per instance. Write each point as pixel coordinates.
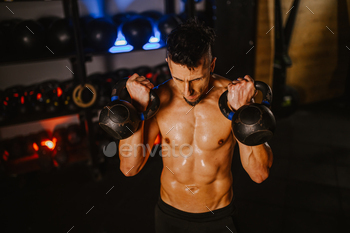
(194, 180)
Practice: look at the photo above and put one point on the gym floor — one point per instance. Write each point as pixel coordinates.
(308, 189)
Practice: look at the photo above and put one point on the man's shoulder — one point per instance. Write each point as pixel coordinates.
(221, 81)
(163, 90)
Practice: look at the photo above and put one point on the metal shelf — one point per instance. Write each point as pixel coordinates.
(88, 53)
(30, 1)
(21, 119)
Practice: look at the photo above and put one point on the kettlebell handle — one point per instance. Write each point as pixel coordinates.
(261, 86)
(266, 91)
(151, 109)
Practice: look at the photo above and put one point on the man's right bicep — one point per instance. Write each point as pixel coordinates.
(151, 130)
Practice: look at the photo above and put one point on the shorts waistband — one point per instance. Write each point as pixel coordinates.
(197, 217)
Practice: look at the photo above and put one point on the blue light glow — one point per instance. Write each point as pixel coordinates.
(150, 46)
(153, 39)
(120, 42)
(121, 49)
(122, 5)
(156, 37)
(120, 39)
(122, 46)
(95, 8)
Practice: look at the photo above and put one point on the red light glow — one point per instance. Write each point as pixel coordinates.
(157, 141)
(5, 156)
(35, 146)
(59, 91)
(49, 144)
(55, 163)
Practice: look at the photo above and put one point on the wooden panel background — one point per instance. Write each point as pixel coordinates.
(320, 58)
(264, 42)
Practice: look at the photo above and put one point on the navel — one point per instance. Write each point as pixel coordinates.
(192, 188)
(221, 141)
(167, 140)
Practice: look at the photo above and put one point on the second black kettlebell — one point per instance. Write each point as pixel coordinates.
(252, 124)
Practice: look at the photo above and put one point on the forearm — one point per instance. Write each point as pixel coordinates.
(256, 160)
(132, 153)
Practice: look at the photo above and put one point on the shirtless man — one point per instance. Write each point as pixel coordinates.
(196, 192)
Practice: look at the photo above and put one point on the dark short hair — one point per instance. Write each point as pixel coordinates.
(189, 42)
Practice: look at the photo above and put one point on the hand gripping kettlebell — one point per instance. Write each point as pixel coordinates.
(120, 118)
(252, 124)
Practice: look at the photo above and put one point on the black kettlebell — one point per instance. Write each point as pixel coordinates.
(137, 31)
(101, 34)
(252, 124)
(120, 119)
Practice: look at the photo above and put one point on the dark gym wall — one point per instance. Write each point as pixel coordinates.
(235, 26)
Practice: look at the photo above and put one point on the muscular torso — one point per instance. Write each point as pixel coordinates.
(197, 148)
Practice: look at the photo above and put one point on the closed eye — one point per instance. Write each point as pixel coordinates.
(197, 79)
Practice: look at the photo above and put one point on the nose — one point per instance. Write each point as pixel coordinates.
(187, 91)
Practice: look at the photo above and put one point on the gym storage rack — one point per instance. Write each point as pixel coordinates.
(77, 59)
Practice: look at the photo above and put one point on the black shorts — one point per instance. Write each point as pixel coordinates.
(169, 219)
